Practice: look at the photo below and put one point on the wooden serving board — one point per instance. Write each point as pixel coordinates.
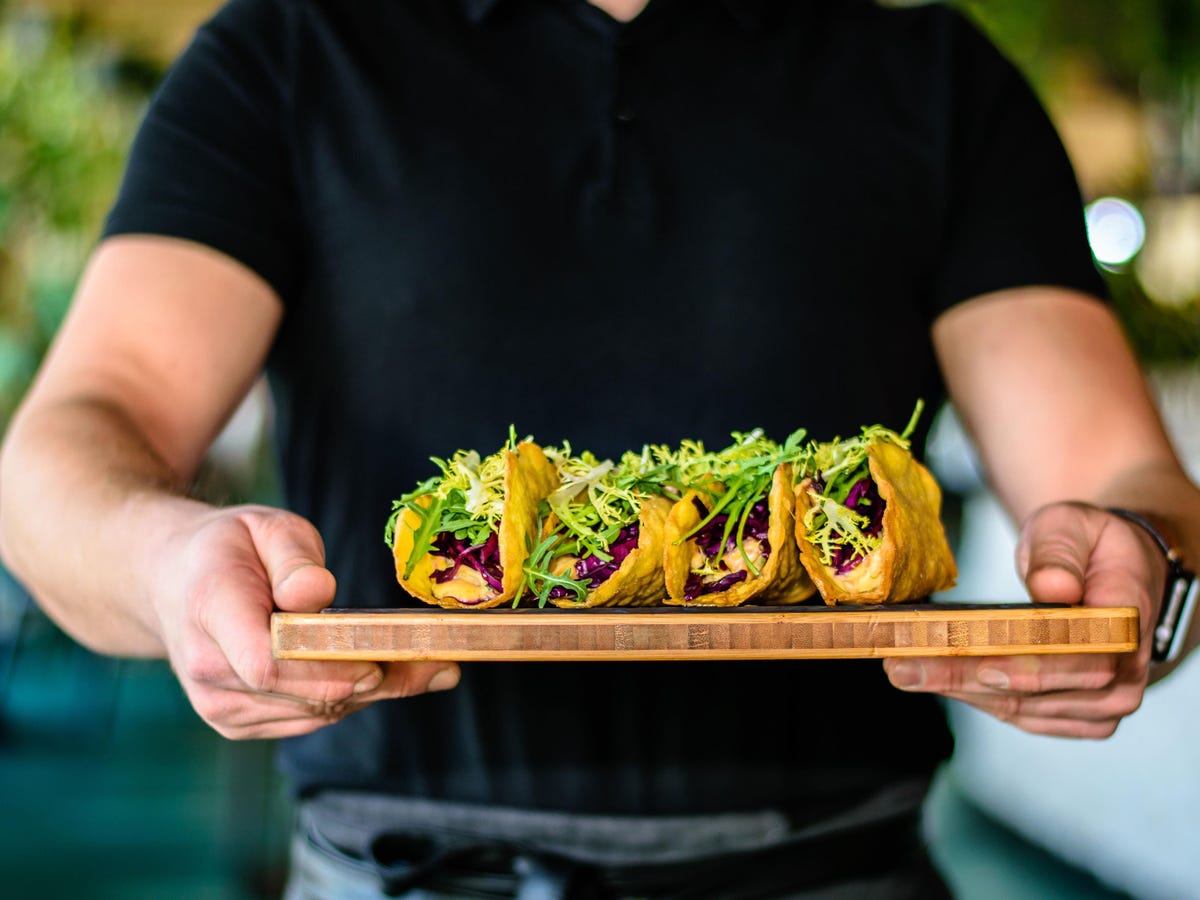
(675, 633)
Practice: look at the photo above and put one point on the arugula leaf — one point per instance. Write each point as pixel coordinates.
(538, 579)
(466, 500)
(423, 538)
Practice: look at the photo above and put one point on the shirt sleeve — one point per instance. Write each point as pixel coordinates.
(210, 161)
(1014, 213)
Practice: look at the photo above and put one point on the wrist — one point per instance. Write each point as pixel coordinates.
(169, 523)
(1179, 593)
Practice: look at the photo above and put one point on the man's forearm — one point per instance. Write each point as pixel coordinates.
(86, 506)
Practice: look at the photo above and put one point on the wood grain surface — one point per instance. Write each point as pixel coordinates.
(681, 634)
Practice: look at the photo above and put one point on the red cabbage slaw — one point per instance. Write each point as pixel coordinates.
(483, 558)
(593, 571)
(708, 540)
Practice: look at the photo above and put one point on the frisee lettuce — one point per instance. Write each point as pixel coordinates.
(736, 477)
(835, 467)
(595, 501)
(466, 499)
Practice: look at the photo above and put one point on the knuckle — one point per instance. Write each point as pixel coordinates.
(1029, 681)
(258, 671)
(276, 523)
(408, 687)
(334, 693)
(412, 683)
(1100, 680)
(229, 732)
(1126, 703)
(1006, 708)
(199, 667)
(215, 708)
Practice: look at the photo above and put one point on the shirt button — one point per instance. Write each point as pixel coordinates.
(625, 115)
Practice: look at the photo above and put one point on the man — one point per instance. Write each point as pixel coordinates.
(613, 224)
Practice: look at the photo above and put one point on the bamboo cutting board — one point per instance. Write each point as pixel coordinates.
(674, 633)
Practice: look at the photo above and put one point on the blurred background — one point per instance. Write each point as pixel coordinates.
(110, 785)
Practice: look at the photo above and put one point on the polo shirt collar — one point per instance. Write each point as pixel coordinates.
(747, 13)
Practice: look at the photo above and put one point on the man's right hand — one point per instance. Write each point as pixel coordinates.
(163, 340)
(218, 584)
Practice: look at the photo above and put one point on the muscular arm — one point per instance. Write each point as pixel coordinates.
(97, 461)
(1048, 387)
(163, 340)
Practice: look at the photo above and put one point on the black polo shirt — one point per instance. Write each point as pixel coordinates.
(726, 214)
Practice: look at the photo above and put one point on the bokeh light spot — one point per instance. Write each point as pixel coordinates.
(1116, 230)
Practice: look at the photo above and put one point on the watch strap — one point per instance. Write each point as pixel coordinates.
(1179, 593)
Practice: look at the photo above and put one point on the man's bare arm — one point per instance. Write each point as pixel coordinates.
(164, 339)
(141, 376)
(1048, 387)
(1047, 384)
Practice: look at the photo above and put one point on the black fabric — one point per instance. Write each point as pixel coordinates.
(723, 215)
(896, 868)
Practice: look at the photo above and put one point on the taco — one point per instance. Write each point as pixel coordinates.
(868, 521)
(602, 537)
(729, 538)
(461, 538)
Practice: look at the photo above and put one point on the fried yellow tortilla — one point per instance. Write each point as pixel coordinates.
(638, 580)
(528, 478)
(781, 578)
(913, 558)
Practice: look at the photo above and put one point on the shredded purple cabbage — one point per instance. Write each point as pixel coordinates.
(593, 571)
(708, 539)
(863, 499)
(697, 587)
(483, 558)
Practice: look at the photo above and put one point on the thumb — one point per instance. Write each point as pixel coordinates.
(293, 556)
(1053, 553)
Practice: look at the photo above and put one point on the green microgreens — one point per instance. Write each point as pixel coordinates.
(594, 502)
(839, 465)
(538, 580)
(745, 469)
(467, 499)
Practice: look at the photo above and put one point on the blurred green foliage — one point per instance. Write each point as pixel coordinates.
(66, 120)
(69, 103)
(1148, 50)
(1159, 334)
(1141, 46)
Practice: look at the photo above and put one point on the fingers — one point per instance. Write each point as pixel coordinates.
(1053, 554)
(293, 557)
(1075, 553)
(1080, 696)
(1068, 706)
(238, 567)
(233, 608)
(1026, 674)
(412, 678)
(238, 712)
(1066, 728)
(1068, 553)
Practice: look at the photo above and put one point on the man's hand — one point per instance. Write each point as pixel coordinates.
(1068, 553)
(217, 587)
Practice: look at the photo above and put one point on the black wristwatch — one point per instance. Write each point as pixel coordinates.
(1179, 595)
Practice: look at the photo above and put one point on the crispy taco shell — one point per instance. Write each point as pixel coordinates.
(914, 558)
(528, 478)
(782, 580)
(638, 581)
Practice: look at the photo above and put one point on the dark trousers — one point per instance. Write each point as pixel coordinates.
(362, 846)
